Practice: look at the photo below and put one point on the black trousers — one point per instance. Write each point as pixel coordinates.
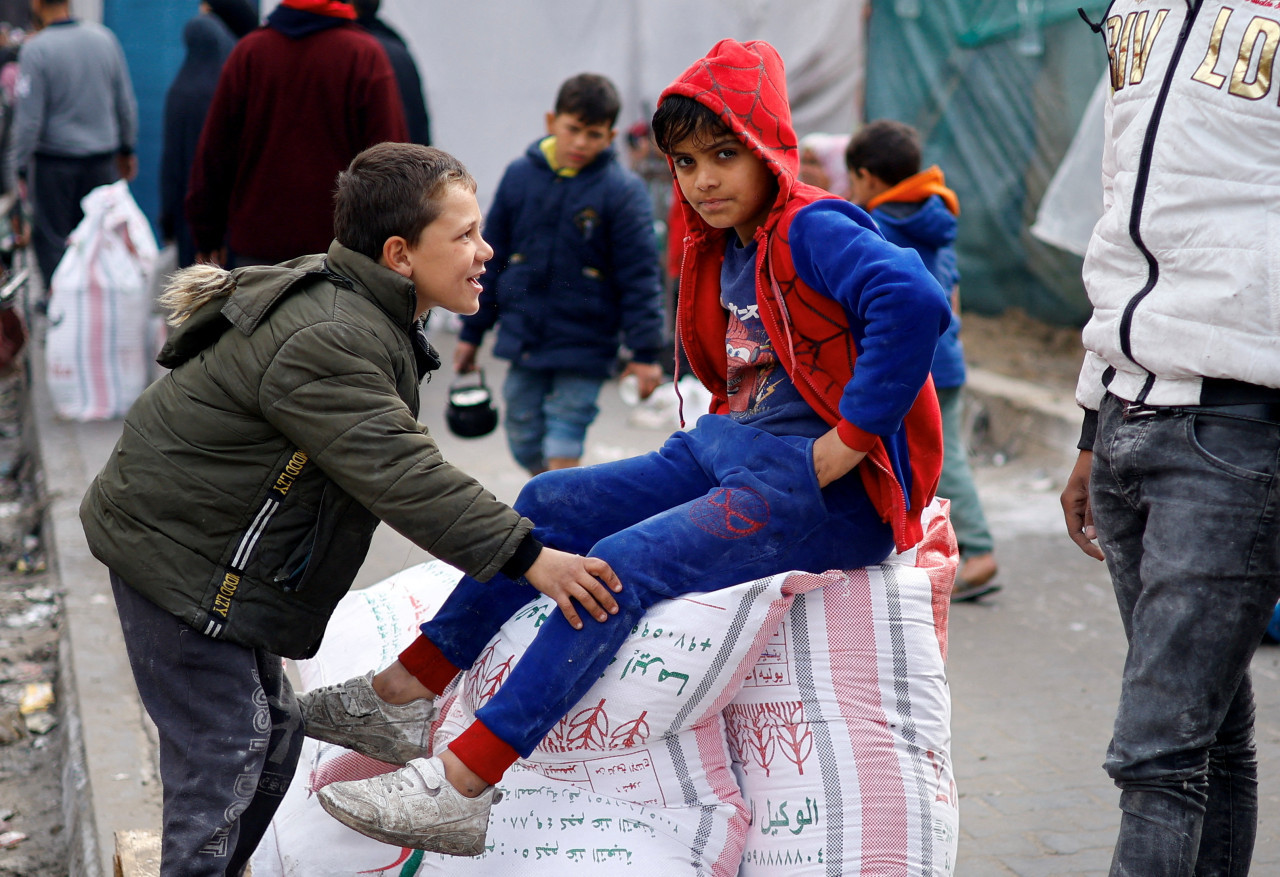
(57, 185)
(230, 736)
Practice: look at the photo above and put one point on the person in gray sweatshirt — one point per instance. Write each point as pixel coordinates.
(75, 123)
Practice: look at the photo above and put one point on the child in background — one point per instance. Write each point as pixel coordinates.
(822, 162)
(575, 272)
(915, 209)
(822, 448)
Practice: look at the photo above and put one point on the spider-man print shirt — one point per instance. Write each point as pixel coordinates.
(830, 291)
(760, 390)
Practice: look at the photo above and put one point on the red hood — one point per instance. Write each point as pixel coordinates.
(746, 85)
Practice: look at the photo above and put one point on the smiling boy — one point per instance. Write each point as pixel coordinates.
(575, 274)
(823, 446)
(238, 505)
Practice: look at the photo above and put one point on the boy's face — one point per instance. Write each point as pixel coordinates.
(446, 262)
(577, 143)
(864, 185)
(728, 184)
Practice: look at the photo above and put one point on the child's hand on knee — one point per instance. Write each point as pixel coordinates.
(567, 577)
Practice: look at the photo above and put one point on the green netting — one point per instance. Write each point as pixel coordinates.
(996, 88)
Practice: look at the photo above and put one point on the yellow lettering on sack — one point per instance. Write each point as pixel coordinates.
(292, 470)
(1143, 39)
(1256, 88)
(227, 590)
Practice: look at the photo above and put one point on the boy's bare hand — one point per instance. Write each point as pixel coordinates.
(567, 577)
(464, 357)
(833, 459)
(1077, 509)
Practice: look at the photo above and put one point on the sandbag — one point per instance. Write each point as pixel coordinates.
(97, 345)
(841, 735)
(636, 777)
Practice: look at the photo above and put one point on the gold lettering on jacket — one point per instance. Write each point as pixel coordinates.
(1205, 74)
(1129, 45)
(292, 470)
(227, 590)
(1257, 53)
(1256, 89)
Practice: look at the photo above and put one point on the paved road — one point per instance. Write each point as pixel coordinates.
(1035, 673)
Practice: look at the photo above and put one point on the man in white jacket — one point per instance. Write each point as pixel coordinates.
(1177, 476)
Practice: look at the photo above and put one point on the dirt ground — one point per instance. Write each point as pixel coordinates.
(1016, 345)
(32, 840)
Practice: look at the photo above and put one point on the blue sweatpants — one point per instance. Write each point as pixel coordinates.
(715, 506)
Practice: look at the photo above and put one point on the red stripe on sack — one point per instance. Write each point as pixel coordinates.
(939, 556)
(769, 626)
(714, 754)
(851, 636)
(99, 389)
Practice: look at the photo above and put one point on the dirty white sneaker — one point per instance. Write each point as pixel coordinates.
(413, 807)
(352, 715)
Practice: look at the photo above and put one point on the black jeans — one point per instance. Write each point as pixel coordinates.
(1187, 507)
(230, 736)
(57, 185)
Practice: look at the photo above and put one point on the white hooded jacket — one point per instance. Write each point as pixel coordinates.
(1183, 269)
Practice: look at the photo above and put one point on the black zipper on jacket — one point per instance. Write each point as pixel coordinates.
(1140, 193)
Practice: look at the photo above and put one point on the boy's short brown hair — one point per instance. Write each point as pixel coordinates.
(885, 148)
(591, 97)
(392, 189)
(679, 118)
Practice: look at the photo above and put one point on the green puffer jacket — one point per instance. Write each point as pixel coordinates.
(248, 481)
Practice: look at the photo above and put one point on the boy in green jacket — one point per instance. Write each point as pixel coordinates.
(239, 503)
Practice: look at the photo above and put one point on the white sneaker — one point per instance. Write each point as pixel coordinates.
(352, 715)
(414, 807)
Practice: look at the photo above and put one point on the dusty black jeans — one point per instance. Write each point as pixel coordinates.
(1187, 507)
(230, 736)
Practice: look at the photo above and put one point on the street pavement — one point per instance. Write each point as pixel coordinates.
(1034, 669)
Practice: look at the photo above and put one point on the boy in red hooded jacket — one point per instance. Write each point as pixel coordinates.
(805, 461)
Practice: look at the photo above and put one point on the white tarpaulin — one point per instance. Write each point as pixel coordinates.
(492, 68)
(1072, 204)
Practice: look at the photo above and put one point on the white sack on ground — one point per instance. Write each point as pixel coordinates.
(841, 737)
(637, 779)
(97, 345)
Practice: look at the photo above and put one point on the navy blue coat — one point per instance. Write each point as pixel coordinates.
(929, 228)
(575, 268)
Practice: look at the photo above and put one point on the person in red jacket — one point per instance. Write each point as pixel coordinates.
(297, 100)
(824, 443)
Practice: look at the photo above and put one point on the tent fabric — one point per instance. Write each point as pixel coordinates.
(997, 90)
(493, 68)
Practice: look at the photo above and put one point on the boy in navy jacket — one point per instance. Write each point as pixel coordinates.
(575, 272)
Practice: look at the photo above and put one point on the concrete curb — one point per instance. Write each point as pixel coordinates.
(110, 774)
(1025, 419)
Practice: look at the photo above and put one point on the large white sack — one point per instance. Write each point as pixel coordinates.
(636, 778)
(841, 736)
(97, 346)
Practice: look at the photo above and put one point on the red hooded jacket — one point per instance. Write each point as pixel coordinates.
(745, 84)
